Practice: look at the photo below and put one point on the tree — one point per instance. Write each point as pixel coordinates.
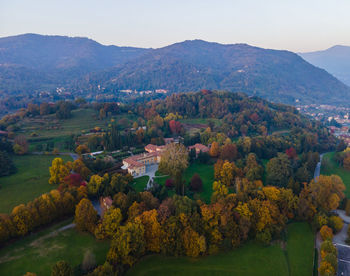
(196, 183)
(175, 127)
(228, 152)
(96, 184)
(214, 149)
(326, 233)
(89, 261)
(194, 243)
(58, 171)
(61, 268)
(327, 192)
(20, 145)
(85, 216)
(279, 170)
(128, 244)
(346, 163)
(174, 161)
(219, 191)
(81, 149)
(153, 230)
(6, 165)
(111, 221)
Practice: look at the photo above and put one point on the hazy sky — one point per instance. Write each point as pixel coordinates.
(297, 25)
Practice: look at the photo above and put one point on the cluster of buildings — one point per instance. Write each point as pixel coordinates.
(342, 133)
(137, 164)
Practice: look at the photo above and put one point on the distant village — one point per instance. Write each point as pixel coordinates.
(336, 118)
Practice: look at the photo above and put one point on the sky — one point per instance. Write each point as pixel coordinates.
(295, 25)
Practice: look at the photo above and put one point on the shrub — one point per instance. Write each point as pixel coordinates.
(89, 261)
(169, 183)
(61, 268)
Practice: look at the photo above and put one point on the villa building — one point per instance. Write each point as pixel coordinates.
(137, 164)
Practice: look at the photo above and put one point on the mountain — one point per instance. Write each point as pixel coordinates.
(33, 62)
(56, 60)
(336, 60)
(280, 76)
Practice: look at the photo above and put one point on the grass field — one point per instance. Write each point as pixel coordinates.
(329, 166)
(205, 171)
(140, 183)
(39, 252)
(30, 181)
(300, 249)
(249, 260)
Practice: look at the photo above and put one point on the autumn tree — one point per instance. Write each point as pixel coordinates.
(214, 149)
(219, 191)
(327, 192)
(326, 233)
(174, 162)
(58, 171)
(111, 221)
(128, 244)
(20, 145)
(85, 216)
(153, 230)
(228, 152)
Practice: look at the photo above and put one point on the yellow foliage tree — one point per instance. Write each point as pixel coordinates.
(58, 171)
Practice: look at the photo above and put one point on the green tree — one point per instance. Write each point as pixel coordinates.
(279, 170)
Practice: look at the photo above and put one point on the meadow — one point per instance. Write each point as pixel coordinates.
(251, 259)
(329, 166)
(40, 251)
(30, 181)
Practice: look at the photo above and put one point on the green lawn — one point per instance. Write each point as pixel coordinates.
(39, 252)
(300, 249)
(140, 183)
(30, 181)
(329, 166)
(250, 259)
(205, 171)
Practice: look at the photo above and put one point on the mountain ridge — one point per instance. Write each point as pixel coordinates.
(191, 65)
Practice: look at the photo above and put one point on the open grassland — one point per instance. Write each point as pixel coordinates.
(329, 166)
(300, 249)
(30, 180)
(39, 252)
(205, 171)
(250, 259)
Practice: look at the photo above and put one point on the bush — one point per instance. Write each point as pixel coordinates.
(169, 183)
(89, 262)
(61, 268)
